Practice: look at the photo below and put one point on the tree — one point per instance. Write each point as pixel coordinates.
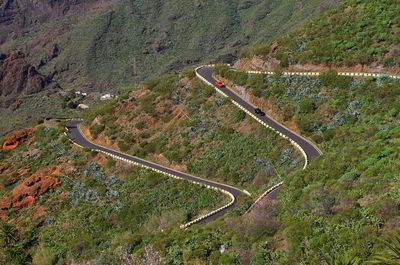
(391, 254)
(72, 105)
(306, 105)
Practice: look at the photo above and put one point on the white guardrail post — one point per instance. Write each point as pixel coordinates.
(296, 145)
(281, 134)
(183, 226)
(360, 74)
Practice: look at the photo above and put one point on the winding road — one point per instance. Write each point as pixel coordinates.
(308, 149)
(311, 151)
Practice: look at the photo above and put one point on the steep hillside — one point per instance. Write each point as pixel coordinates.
(66, 205)
(174, 120)
(19, 79)
(19, 17)
(130, 41)
(181, 123)
(358, 33)
(343, 202)
(26, 96)
(60, 204)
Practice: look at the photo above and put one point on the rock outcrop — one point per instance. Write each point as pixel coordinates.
(257, 63)
(16, 139)
(26, 193)
(19, 78)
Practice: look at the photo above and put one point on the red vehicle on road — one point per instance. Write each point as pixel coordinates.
(219, 84)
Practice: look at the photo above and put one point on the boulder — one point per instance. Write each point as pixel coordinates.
(26, 193)
(16, 139)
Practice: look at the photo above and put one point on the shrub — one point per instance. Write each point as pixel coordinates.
(110, 163)
(72, 105)
(306, 105)
(328, 78)
(241, 78)
(221, 69)
(333, 80)
(96, 129)
(148, 102)
(123, 146)
(240, 115)
(305, 123)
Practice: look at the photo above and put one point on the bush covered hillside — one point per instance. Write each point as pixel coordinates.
(357, 32)
(65, 205)
(129, 41)
(348, 198)
(62, 205)
(178, 121)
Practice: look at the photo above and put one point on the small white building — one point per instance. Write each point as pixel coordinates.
(83, 106)
(106, 97)
(81, 93)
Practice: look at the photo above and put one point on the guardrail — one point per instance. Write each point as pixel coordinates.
(360, 74)
(183, 226)
(213, 212)
(295, 144)
(263, 195)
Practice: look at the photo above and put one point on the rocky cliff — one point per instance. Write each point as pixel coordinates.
(18, 78)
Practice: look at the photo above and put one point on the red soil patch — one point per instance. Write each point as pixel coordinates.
(26, 193)
(16, 139)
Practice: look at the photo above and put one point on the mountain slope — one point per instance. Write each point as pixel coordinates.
(132, 40)
(25, 95)
(18, 17)
(18, 78)
(334, 210)
(356, 33)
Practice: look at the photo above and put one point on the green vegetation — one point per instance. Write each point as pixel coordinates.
(391, 253)
(337, 209)
(187, 123)
(133, 40)
(43, 104)
(357, 32)
(333, 212)
(93, 215)
(138, 206)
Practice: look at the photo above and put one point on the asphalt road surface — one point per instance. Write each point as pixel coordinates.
(76, 135)
(310, 149)
(206, 72)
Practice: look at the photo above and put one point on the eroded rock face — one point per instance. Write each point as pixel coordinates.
(16, 139)
(26, 193)
(19, 78)
(257, 63)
